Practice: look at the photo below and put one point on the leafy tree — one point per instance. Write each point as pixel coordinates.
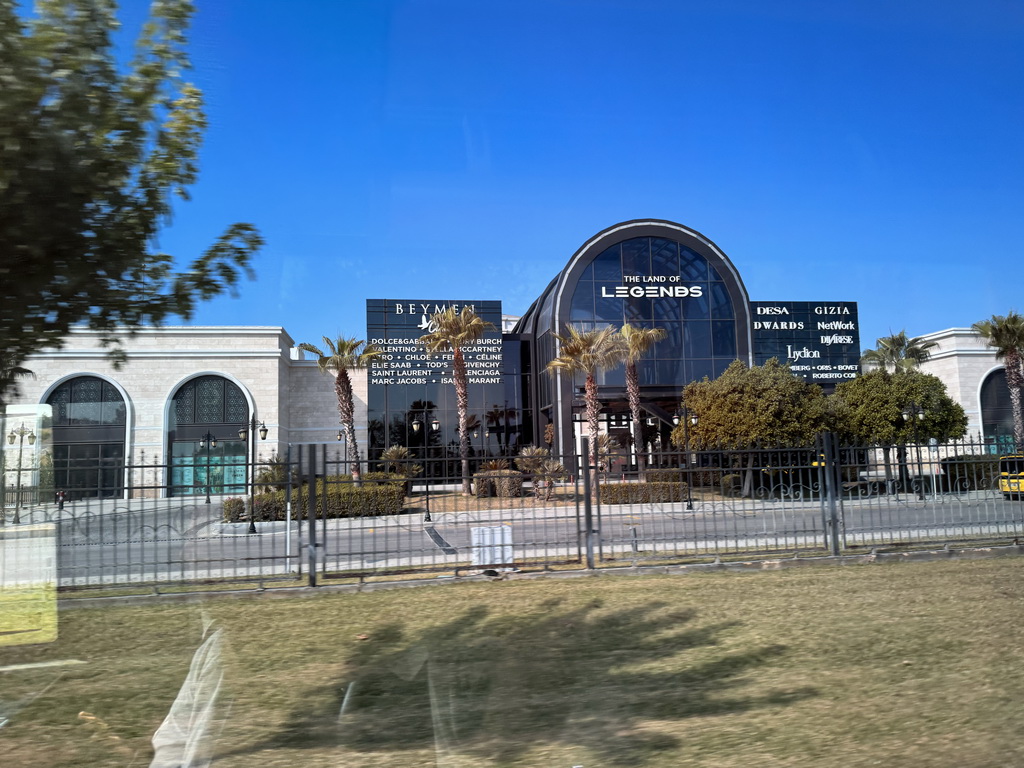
(453, 332)
(638, 342)
(341, 356)
(587, 353)
(746, 407)
(869, 409)
(1005, 334)
(92, 155)
(898, 352)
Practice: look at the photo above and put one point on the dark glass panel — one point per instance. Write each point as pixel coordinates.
(209, 400)
(636, 256)
(86, 401)
(723, 335)
(664, 257)
(698, 369)
(713, 274)
(184, 403)
(613, 378)
(672, 345)
(721, 304)
(582, 308)
(692, 266)
(114, 411)
(697, 342)
(670, 372)
(636, 309)
(608, 266)
(588, 273)
(58, 400)
(720, 365)
(697, 307)
(237, 408)
(667, 309)
(608, 309)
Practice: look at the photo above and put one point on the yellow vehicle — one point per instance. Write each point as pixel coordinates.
(1011, 475)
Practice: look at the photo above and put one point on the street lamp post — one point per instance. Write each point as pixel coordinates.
(244, 433)
(914, 414)
(209, 442)
(20, 434)
(687, 420)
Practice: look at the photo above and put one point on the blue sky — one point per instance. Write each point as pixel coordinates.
(861, 151)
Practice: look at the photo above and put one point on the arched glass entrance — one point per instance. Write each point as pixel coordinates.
(89, 417)
(996, 413)
(214, 406)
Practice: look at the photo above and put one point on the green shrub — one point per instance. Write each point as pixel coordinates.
(344, 499)
(642, 493)
(665, 475)
(504, 483)
(234, 509)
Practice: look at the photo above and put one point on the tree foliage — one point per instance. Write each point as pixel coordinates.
(1005, 334)
(339, 357)
(746, 406)
(93, 154)
(453, 331)
(638, 341)
(587, 353)
(870, 409)
(898, 352)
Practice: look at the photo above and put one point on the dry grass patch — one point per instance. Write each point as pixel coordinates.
(904, 664)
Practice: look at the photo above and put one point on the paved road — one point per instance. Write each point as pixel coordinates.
(118, 542)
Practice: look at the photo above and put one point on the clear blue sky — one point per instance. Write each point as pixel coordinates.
(842, 150)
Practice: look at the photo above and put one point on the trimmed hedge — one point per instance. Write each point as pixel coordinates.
(337, 498)
(642, 493)
(504, 483)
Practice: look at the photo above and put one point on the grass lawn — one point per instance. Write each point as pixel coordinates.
(904, 664)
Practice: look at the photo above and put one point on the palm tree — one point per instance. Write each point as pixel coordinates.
(341, 356)
(897, 352)
(587, 353)
(638, 341)
(453, 332)
(1005, 334)
(9, 375)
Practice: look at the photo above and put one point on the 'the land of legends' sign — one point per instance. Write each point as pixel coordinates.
(819, 340)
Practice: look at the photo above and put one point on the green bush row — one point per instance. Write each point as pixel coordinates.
(504, 483)
(642, 493)
(333, 499)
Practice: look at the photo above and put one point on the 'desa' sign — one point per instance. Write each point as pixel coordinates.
(819, 340)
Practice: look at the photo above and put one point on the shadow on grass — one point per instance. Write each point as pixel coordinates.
(497, 686)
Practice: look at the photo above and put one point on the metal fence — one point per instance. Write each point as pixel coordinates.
(542, 512)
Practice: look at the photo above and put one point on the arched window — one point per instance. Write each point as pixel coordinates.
(89, 417)
(996, 413)
(203, 408)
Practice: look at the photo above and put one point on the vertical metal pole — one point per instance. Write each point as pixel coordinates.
(829, 462)
(588, 509)
(288, 508)
(311, 513)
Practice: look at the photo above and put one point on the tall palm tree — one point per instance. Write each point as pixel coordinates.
(638, 342)
(898, 353)
(587, 353)
(1005, 334)
(452, 332)
(340, 356)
